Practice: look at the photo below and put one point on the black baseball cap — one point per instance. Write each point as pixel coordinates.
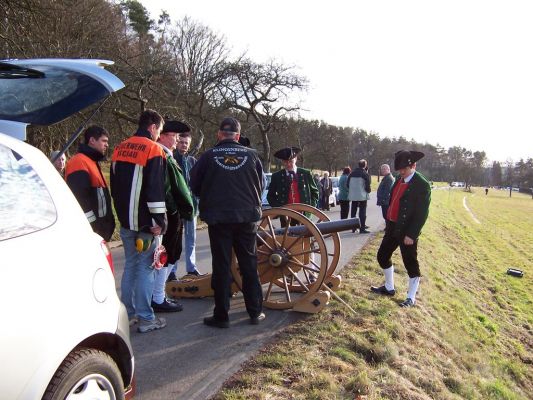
(230, 124)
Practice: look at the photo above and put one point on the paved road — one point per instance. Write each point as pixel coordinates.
(188, 360)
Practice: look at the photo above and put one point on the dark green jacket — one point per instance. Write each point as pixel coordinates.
(414, 207)
(177, 194)
(278, 191)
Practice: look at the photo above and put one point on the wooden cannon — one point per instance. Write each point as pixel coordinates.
(296, 260)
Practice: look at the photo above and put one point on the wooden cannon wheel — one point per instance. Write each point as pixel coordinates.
(283, 260)
(333, 247)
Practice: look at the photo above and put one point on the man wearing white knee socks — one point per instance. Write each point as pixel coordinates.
(407, 213)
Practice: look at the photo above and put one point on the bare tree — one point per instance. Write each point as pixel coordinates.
(263, 93)
(198, 60)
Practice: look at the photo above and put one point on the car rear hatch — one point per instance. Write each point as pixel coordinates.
(46, 91)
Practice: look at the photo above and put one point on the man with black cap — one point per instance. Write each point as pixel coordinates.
(407, 213)
(228, 181)
(291, 184)
(178, 202)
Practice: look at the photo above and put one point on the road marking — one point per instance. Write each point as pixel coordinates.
(470, 211)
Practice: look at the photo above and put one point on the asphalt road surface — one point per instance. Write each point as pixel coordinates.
(188, 360)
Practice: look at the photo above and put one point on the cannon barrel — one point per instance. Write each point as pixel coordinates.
(324, 228)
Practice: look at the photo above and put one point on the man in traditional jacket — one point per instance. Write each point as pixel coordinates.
(292, 184)
(179, 204)
(407, 213)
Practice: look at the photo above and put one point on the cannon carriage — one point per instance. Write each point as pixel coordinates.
(297, 257)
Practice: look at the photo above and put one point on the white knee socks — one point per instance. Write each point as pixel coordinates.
(413, 287)
(389, 277)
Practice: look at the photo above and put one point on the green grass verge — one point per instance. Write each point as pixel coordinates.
(470, 335)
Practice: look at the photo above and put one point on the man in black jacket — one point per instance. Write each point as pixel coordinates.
(228, 181)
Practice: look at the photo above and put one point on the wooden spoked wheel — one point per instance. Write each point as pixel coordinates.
(333, 240)
(284, 259)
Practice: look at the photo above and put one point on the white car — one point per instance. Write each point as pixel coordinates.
(65, 333)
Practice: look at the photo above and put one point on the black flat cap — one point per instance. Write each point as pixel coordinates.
(404, 158)
(287, 153)
(175, 126)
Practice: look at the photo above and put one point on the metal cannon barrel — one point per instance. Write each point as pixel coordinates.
(324, 228)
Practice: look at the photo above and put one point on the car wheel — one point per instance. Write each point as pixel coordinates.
(86, 373)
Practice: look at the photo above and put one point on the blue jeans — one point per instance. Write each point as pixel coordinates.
(189, 239)
(137, 282)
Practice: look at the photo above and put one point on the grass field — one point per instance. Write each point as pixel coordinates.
(470, 335)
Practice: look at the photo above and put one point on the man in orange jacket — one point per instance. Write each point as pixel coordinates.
(85, 179)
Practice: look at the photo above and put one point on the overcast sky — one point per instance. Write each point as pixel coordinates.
(453, 73)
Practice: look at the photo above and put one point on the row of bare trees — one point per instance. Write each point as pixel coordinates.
(185, 70)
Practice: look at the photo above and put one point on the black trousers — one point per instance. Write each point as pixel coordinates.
(409, 253)
(362, 211)
(345, 208)
(172, 237)
(242, 239)
(384, 210)
(325, 201)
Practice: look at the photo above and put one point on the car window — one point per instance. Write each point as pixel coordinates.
(25, 204)
(47, 98)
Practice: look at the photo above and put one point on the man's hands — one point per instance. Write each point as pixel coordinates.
(408, 241)
(156, 230)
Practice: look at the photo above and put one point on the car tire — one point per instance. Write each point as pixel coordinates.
(86, 370)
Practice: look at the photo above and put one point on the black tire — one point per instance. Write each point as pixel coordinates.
(86, 370)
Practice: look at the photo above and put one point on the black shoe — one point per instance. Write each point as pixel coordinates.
(166, 306)
(407, 303)
(363, 231)
(195, 273)
(366, 227)
(172, 277)
(382, 290)
(212, 321)
(258, 319)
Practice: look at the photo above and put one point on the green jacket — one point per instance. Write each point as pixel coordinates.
(177, 194)
(414, 207)
(278, 191)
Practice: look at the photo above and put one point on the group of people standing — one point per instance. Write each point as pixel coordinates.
(404, 203)
(157, 190)
(150, 189)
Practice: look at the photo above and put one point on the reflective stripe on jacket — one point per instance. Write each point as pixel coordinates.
(85, 179)
(138, 182)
